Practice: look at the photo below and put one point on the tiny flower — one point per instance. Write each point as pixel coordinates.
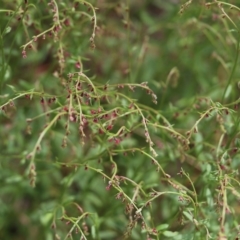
(109, 127)
(117, 141)
(93, 111)
(24, 54)
(66, 22)
(100, 131)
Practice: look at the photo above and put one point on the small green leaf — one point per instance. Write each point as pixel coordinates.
(162, 227)
(12, 87)
(14, 179)
(7, 30)
(45, 219)
(170, 234)
(93, 232)
(188, 215)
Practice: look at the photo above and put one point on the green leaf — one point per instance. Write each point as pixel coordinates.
(188, 215)
(170, 234)
(93, 232)
(7, 30)
(12, 87)
(46, 218)
(162, 227)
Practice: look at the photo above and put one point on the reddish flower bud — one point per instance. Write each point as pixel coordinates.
(24, 54)
(78, 65)
(109, 127)
(66, 22)
(100, 131)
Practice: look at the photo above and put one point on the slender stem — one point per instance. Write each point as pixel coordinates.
(233, 69)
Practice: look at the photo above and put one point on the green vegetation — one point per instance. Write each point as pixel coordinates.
(119, 119)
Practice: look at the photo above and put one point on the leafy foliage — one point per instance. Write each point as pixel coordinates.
(119, 119)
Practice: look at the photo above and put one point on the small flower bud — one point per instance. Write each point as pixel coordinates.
(24, 54)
